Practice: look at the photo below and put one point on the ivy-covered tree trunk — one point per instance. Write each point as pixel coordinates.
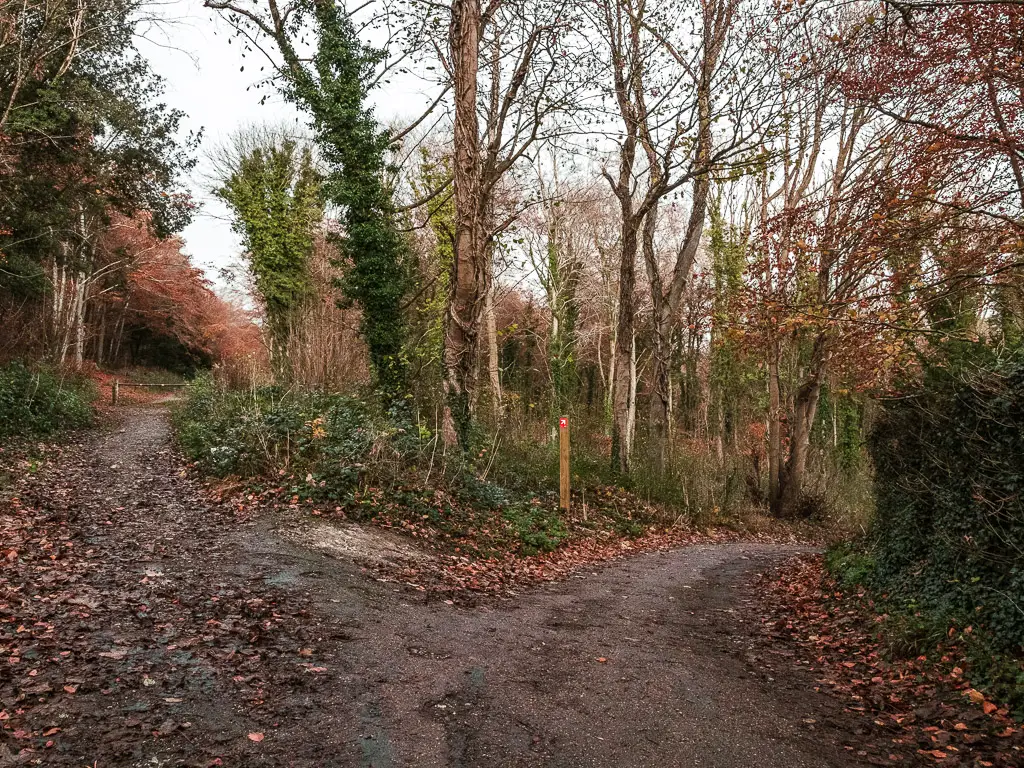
(274, 191)
(727, 367)
(372, 243)
(332, 85)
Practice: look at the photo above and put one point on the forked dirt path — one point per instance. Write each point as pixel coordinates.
(167, 633)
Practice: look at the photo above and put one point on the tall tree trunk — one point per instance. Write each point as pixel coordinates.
(704, 406)
(609, 392)
(69, 318)
(118, 335)
(101, 338)
(56, 321)
(795, 470)
(774, 430)
(79, 320)
(666, 304)
(469, 278)
(660, 403)
(493, 363)
(631, 413)
(667, 300)
(660, 351)
(625, 340)
(805, 408)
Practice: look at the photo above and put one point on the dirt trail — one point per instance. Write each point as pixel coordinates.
(183, 631)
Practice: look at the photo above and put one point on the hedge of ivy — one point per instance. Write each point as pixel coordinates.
(949, 535)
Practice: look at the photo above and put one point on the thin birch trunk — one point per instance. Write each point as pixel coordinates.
(493, 366)
(79, 320)
(631, 414)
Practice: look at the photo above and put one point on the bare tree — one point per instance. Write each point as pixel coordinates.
(684, 116)
(509, 45)
(817, 271)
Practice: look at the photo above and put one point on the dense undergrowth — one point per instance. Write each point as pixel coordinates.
(342, 456)
(38, 402)
(945, 557)
(697, 485)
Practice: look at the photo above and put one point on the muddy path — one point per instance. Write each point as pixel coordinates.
(152, 630)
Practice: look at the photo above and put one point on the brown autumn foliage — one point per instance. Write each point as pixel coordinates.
(920, 710)
(138, 301)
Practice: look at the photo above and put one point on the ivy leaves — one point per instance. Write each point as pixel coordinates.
(275, 193)
(373, 249)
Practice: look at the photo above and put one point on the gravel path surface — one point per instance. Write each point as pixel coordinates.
(179, 636)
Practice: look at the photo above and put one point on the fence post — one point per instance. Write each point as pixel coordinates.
(563, 462)
(113, 392)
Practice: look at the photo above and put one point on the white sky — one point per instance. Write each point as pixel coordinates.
(203, 79)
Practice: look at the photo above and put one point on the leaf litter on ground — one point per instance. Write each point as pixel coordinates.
(914, 711)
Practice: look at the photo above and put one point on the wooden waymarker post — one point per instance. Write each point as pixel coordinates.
(563, 462)
(113, 392)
